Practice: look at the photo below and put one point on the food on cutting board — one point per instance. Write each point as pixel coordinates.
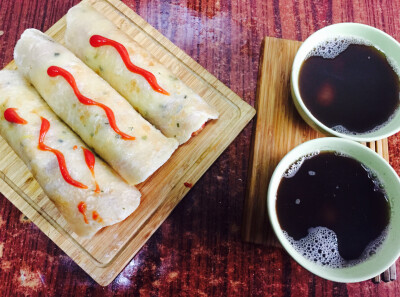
(92, 108)
(86, 191)
(151, 88)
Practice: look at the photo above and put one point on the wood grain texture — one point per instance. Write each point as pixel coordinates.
(277, 130)
(198, 250)
(104, 255)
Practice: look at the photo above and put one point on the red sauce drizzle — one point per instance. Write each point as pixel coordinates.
(54, 71)
(198, 131)
(90, 161)
(188, 185)
(11, 115)
(82, 209)
(97, 41)
(60, 157)
(96, 216)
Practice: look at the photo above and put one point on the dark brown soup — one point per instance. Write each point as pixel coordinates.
(334, 192)
(355, 92)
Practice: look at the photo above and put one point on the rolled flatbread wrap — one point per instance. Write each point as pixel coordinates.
(152, 89)
(92, 108)
(86, 191)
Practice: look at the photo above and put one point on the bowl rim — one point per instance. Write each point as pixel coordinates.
(317, 269)
(300, 106)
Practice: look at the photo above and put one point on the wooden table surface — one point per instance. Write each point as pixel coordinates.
(198, 250)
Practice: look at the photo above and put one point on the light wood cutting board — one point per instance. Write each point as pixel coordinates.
(277, 130)
(107, 253)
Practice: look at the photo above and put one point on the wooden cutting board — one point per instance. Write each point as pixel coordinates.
(107, 253)
(277, 130)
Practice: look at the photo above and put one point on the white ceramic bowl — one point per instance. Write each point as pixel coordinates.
(376, 37)
(389, 251)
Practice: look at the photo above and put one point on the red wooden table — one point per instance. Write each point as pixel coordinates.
(198, 250)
